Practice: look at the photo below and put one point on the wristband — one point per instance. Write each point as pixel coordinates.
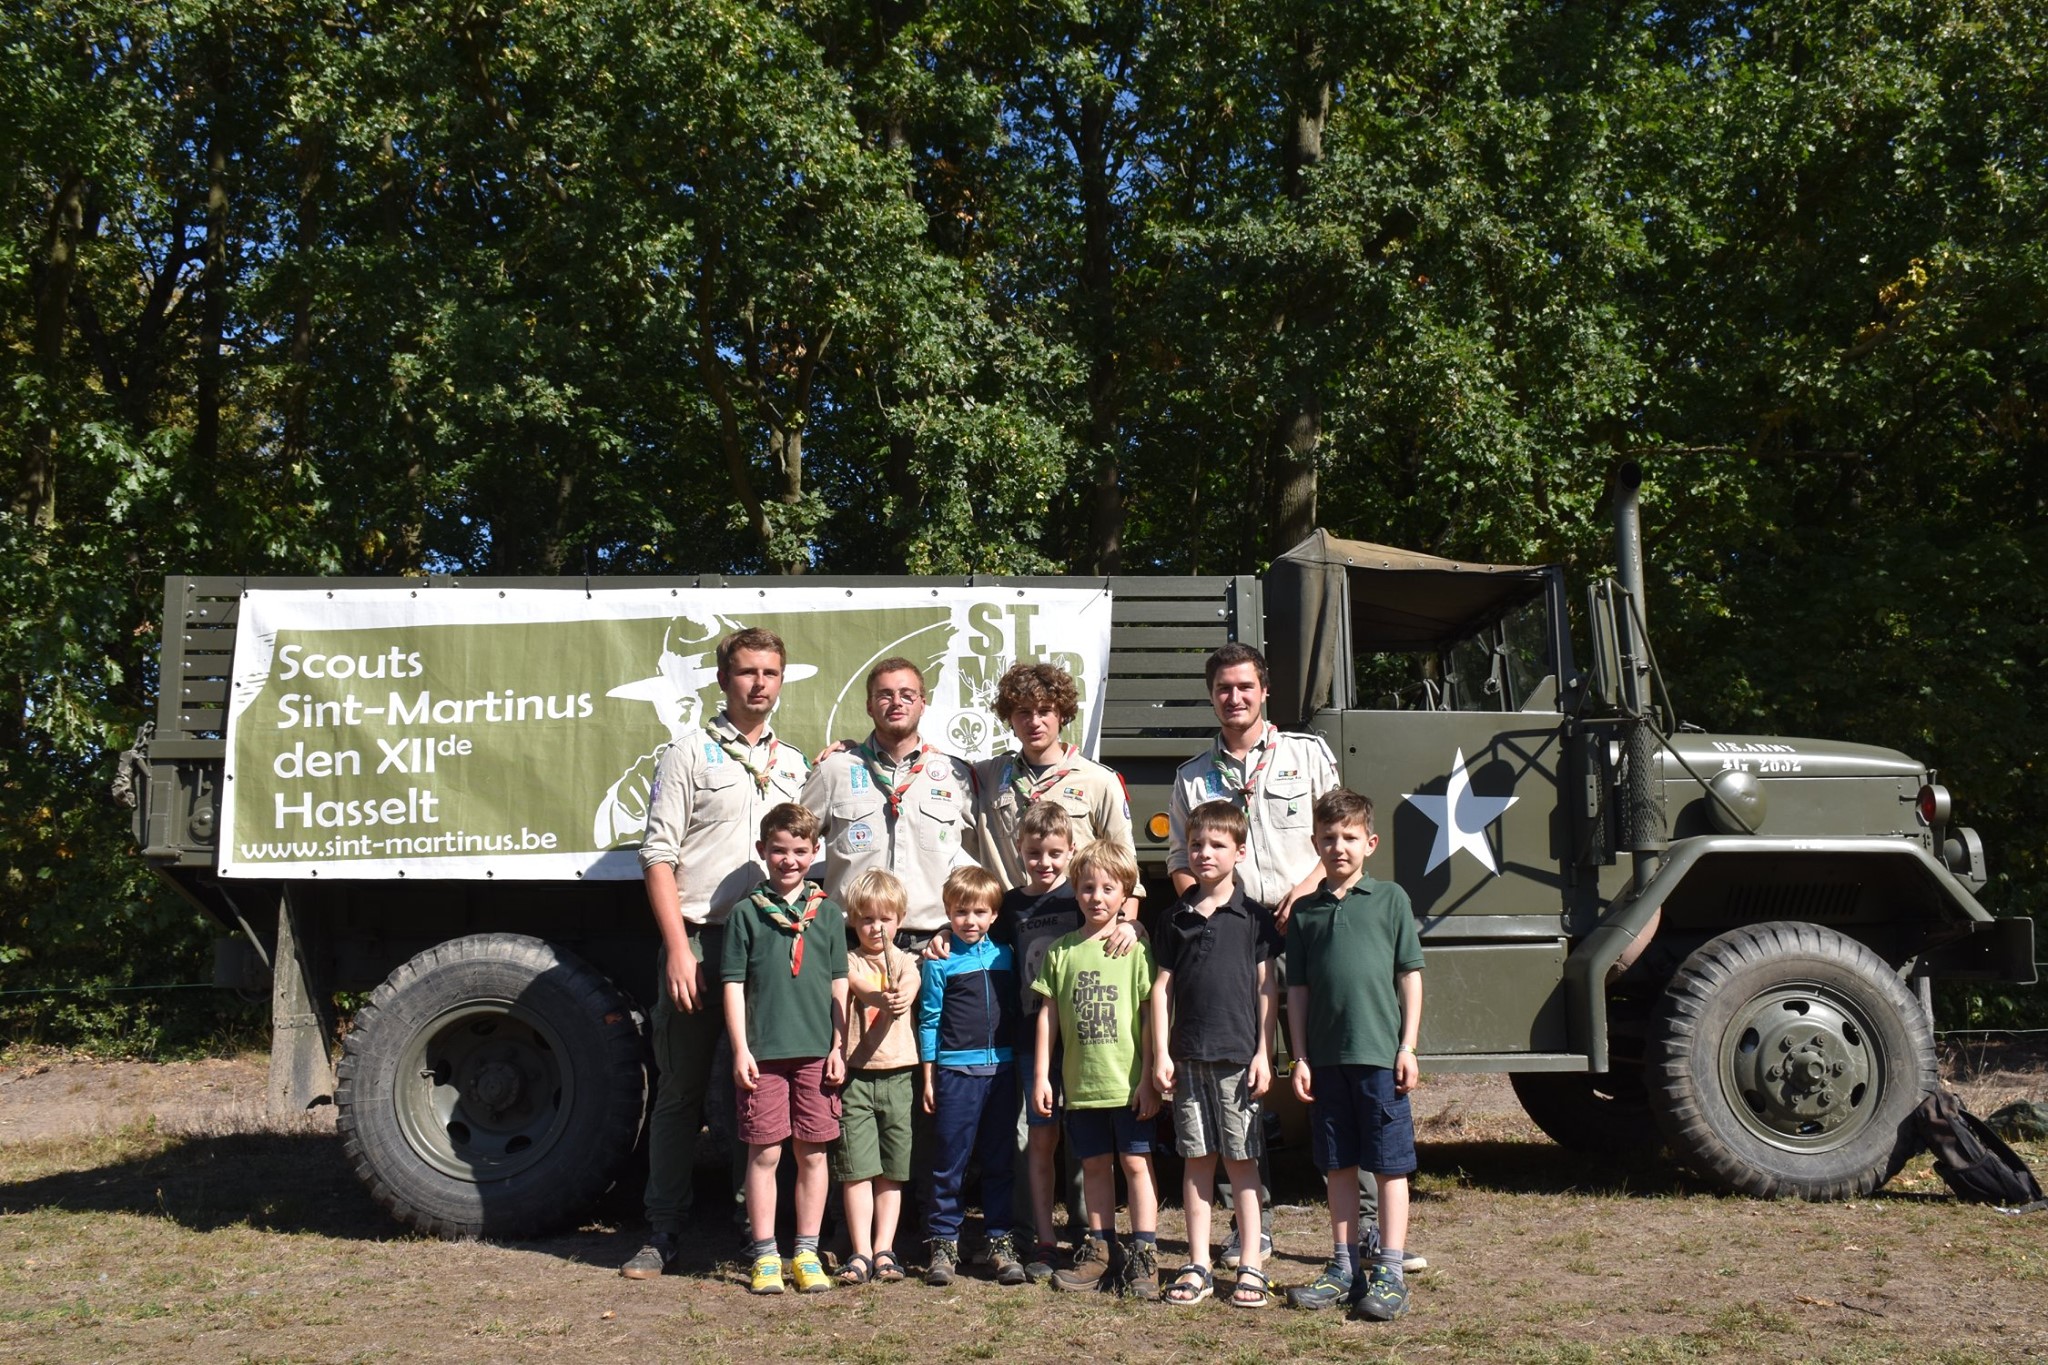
(1404, 1048)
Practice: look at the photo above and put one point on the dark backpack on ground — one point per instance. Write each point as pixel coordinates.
(1974, 1161)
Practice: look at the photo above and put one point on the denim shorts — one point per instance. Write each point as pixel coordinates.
(1358, 1120)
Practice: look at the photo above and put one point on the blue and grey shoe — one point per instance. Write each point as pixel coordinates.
(1327, 1290)
(1385, 1297)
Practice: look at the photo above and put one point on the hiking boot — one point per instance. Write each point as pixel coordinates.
(1089, 1269)
(1141, 1270)
(1040, 1267)
(1000, 1260)
(1233, 1249)
(945, 1258)
(1385, 1297)
(653, 1259)
(1330, 1289)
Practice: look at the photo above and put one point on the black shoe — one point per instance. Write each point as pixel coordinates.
(653, 1259)
(1385, 1297)
(1040, 1267)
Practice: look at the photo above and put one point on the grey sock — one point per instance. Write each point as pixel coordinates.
(1341, 1257)
(809, 1244)
(764, 1247)
(1389, 1260)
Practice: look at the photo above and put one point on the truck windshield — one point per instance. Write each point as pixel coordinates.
(1501, 667)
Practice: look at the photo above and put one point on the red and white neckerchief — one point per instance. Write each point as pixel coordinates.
(1028, 791)
(728, 737)
(791, 918)
(893, 792)
(1243, 792)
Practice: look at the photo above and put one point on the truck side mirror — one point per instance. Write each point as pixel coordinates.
(1606, 647)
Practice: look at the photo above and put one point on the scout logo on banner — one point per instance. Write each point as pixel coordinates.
(471, 732)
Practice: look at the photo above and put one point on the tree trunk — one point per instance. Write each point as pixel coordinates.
(1298, 424)
(35, 496)
(213, 295)
(1098, 283)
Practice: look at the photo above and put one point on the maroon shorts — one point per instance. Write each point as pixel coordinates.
(790, 1100)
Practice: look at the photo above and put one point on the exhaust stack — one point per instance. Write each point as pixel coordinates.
(1642, 806)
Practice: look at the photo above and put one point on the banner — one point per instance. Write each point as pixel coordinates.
(474, 732)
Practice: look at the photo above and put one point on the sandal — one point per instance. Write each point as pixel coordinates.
(888, 1270)
(857, 1270)
(1191, 1284)
(1254, 1283)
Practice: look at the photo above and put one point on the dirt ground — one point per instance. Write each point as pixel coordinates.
(152, 1212)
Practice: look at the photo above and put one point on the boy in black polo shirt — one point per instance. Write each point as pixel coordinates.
(1354, 1008)
(1212, 1028)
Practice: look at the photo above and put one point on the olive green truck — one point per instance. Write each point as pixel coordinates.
(1720, 944)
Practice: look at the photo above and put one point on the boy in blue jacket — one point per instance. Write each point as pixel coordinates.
(967, 1012)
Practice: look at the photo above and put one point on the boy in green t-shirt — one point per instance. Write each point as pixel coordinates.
(1354, 1005)
(1094, 1003)
(785, 1007)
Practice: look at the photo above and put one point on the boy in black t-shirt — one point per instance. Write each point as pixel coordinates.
(1213, 1007)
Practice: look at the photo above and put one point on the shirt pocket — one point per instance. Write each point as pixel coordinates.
(938, 825)
(1286, 803)
(717, 796)
(857, 827)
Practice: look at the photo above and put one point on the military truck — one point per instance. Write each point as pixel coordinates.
(1723, 944)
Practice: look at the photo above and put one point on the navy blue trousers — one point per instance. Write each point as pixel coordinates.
(975, 1117)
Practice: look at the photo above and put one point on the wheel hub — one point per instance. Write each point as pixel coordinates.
(1801, 1066)
(482, 1093)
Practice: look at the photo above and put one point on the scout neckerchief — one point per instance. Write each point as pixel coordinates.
(1242, 793)
(790, 919)
(893, 792)
(1017, 776)
(735, 744)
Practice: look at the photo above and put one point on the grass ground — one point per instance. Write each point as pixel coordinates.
(183, 1226)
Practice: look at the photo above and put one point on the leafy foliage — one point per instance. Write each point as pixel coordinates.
(398, 286)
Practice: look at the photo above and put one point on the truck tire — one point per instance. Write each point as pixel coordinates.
(492, 1087)
(1599, 1114)
(1785, 1061)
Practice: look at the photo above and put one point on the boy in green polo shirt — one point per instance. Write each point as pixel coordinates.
(785, 1008)
(1354, 994)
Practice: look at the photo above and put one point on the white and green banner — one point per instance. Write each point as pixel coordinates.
(483, 732)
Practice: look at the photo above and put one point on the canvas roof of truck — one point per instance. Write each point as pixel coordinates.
(1399, 600)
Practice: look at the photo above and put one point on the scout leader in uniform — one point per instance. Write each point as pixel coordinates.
(894, 802)
(711, 787)
(1036, 700)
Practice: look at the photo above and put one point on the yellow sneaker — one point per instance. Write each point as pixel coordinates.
(810, 1274)
(767, 1275)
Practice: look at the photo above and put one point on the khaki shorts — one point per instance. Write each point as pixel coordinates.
(874, 1126)
(1214, 1112)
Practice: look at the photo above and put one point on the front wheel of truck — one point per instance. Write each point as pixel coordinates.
(1785, 1061)
(492, 1087)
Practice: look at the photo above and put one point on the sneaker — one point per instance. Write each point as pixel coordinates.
(1000, 1260)
(1141, 1270)
(810, 1273)
(1040, 1267)
(1369, 1251)
(1090, 1266)
(1385, 1297)
(944, 1258)
(767, 1275)
(1412, 1261)
(653, 1259)
(1327, 1290)
(1232, 1249)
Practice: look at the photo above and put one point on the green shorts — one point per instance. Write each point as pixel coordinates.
(874, 1126)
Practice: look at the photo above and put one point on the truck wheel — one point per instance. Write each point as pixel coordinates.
(1786, 1060)
(491, 1087)
(1598, 1114)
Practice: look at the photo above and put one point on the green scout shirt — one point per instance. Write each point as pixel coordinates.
(1348, 952)
(788, 1016)
(1098, 997)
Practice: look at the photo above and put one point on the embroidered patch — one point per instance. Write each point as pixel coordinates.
(713, 754)
(1215, 784)
(942, 794)
(1287, 772)
(860, 836)
(654, 790)
(1074, 792)
(858, 777)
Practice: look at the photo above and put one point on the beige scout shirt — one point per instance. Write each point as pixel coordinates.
(1286, 773)
(704, 813)
(926, 839)
(875, 1039)
(1092, 794)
